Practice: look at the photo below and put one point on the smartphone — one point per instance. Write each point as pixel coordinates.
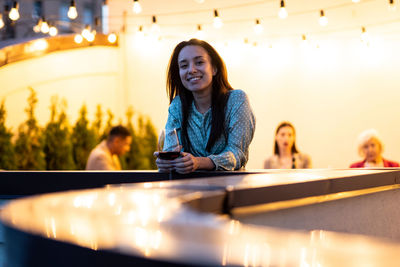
(169, 155)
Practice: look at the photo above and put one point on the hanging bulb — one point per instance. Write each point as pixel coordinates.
(304, 40)
(258, 28)
(323, 20)
(53, 31)
(91, 36)
(392, 6)
(355, 1)
(199, 1)
(72, 13)
(364, 35)
(38, 26)
(86, 32)
(154, 26)
(200, 33)
(78, 38)
(14, 14)
(1, 21)
(112, 38)
(137, 8)
(140, 32)
(217, 20)
(44, 28)
(282, 11)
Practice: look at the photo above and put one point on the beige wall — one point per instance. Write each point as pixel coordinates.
(330, 94)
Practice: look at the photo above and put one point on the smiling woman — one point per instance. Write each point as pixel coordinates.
(215, 124)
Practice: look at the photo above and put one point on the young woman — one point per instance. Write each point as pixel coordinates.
(214, 123)
(286, 155)
(370, 148)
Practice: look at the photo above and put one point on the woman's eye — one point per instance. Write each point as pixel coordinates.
(199, 62)
(183, 66)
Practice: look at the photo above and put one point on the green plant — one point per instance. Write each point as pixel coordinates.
(83, 140)
(29, 143)
(57, 142)
(7, 154)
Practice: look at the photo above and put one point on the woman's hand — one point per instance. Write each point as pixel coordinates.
(186, 163)
(163, 164)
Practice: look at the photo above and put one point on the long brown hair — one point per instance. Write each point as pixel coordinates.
(281, 125)
(219, 97)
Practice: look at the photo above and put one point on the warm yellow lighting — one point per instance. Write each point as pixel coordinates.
(44, 28)
(53, 31)
(140, 33)
(72, 13)
(112, 38)
(258, 28)
(323, 20)
(14, 14)
(91, 36)
(1, 21)
(86, 32)
(364, 36)
(38, 26)
(217, 20)
(355, 1)
(199, 1)
(199, 33)
(154, 26)
(137, 8)
(78, 38)
(282, 11)
(392, 6)
(40, 45)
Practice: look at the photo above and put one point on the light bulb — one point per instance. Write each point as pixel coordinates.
(78, 38)
(199, 1)
(355, 1)
(1, 21)
(364, 35)
(44, 28)
(72, 13)
(154, 27)
(86, 32)
(140, 33)
(112, 38)
(91, 36)
(282, 11)
(137, 8)
(392, 6)
(200, 33)
(323, 20)
(217, 20)
(258, 28)
(14, 14)
(53, 31)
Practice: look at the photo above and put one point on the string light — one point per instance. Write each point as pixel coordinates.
(72, 12)
(282, 11)
(1, 21)
(217, 20)
(14, 14)
(323, 20)
(137, 8)
(53, 31)
(364, 35)
(199, 1)
(78, 38)
(44, 27)
(154, 26)
(38, 26)
(112, 38)
(258, 28)
(392, 6)
(86, 32)
(140, 32)
(200, 33)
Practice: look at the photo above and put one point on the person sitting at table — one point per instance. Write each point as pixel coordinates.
(286, 155)
(105, 155)
(370, 147)
(214, 123)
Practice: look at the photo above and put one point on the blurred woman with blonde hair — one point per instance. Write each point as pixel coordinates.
(370, 147)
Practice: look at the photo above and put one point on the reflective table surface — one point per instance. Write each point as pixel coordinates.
(154, 222)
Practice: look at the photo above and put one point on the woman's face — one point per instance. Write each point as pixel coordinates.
(371, 150)
(285, 138)
(195, 69)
